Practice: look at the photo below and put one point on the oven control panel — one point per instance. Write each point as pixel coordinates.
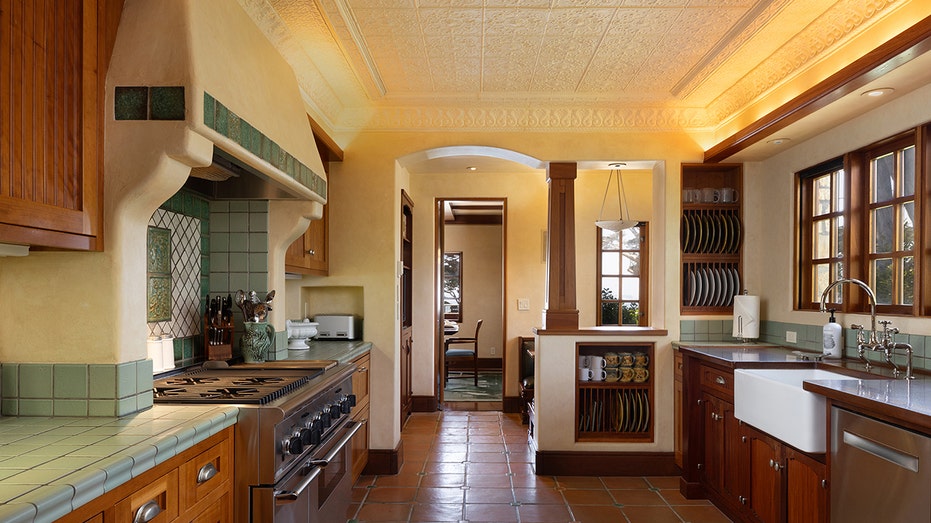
(313, 423)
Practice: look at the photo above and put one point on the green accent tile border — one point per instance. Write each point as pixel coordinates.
(130, 103)
(149, 103)
(166, 103)
(219, 118)
(76, 389)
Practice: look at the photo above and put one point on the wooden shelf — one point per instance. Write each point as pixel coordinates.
(615, 410)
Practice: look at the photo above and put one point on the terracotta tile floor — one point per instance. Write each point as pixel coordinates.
(476, 466)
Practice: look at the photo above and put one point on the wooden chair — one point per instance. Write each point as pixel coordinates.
(462, 354)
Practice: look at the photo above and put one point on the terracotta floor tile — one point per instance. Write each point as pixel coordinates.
(352, 509)
(539, 496)
(637, 497)
(440, 495)
(663, 482)
(522, 469)
(495, 440)
(596, 514)
(448, 457)
(489, 495)
(391, 495)
(384, 512)
(438, 512)
(625, 482)
(488, 480)
(674, 497)
(497, 448)
(544, 513)
(365, 481)
(487, 457)
(650, 515)
(398, 480)
(493, 469)
(587, 497)
(490, 513)
(444, 467)
(358, 494)
(701, 514)
(532, 481)
(583, 482)
(443, 480)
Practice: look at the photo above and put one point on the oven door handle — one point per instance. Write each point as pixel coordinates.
(290, 496)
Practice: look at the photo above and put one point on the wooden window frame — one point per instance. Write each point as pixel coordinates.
(643, 300)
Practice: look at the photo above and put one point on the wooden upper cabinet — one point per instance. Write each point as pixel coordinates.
(53, 62)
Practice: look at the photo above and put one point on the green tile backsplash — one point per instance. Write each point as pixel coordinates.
(148, 103)
(74, 389)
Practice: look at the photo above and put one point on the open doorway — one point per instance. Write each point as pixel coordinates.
(470, 294)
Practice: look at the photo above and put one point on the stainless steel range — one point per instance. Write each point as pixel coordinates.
(292, 459)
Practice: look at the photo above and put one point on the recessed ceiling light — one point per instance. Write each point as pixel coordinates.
(877, 92)
(779, 141)
(471, 168)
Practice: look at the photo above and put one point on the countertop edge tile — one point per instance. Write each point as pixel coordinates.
(51, 501)
(18, 513)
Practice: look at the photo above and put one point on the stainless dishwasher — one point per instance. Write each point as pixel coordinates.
(879, 472)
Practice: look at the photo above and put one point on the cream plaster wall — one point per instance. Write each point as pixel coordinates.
(769, 255)
(482, 283)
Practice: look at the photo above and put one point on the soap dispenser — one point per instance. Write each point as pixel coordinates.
(833, 342)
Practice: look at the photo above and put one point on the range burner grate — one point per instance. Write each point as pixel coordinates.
(233, 385)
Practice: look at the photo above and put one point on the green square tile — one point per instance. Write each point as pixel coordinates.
(144, 373)
(274, 153)
(130, 103)
(166, 103)
(222, 124)
(220, 206)
(126, 406)
(158, 250)
(258, 262)
(188, 204)
(235, 127)
(239, 206)
(10, 380)
(239, 281)
(701, 327)
(238, 262)
(144, 400)
(102, 381)
(239, 222)
(239, 242)
(258, 281)
(9, 407)
(687, 326)
(715, 327)
(255, 206)
(101, 408)
(70, 407)
(258, 242)
(266, 153)
(125, 380)
(35, 381)
(70, 381)
(158, 298)
(210, 111)
(35, 407)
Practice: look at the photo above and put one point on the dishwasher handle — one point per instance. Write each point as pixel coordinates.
(881, 451)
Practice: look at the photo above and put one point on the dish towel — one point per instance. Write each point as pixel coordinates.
(746, 316)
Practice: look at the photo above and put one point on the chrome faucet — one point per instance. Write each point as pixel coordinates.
(874, 341)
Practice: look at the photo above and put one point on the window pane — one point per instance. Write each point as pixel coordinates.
(631, 313)
(822, 239)
(631, 239)
(838, 227)
(883, 178)
(610, 263)
(631, 262)
(907, 230)
(609, 313)
(882, 280)
(610, 288)
(840, 192)
(908, 171)
(631, 288)
(908, 280)
(610, 240)
(822, 199)
(882, 230)
(821, 279)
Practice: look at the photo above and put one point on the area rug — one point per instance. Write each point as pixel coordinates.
(463, 389)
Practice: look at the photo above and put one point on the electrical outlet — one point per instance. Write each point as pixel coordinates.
(523, 304)
(791, 337)
(494, 351)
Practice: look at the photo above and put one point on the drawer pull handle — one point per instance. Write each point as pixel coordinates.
(715, 416)
(206, 473)
(147, 512)
(824, 483)
(311, 252)
(362, 369)
(720, 380)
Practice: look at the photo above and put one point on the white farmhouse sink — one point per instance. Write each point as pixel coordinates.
(773, 401)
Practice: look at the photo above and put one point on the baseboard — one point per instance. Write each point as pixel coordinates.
(569, 463)
(511, 404)
(424, 404)
(384, 462)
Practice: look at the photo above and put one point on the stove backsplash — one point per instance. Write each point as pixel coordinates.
(216, 248)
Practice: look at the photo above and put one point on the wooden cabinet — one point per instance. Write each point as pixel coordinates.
(620, 407)
(711, 236)
(309, 254)
(677, 399)
(360, 413)
(51, 121)
(721, 464)
(807, 489)
(406, 345)
(195, 485)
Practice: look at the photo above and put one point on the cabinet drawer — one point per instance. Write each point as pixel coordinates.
(717, 380)
(360, 379)
(163, 492)
(205, 473)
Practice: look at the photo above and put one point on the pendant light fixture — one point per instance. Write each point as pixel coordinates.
(623, 220)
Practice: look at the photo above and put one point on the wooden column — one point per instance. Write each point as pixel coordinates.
(561, 312)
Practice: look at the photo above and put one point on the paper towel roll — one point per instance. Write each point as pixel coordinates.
(746, 316)
(168, 352)
(153, 346)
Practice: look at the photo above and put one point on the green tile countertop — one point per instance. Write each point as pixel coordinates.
(341, 351)
(50, 466)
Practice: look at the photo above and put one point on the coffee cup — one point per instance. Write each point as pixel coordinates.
(641, 359)
(641, 374)
(626, 359)
(728, 195)
(612, 374)
(627, 374)
(597, 362)
(585, 374)
(612, 359)
(710, 195)
(599, 374)
(583, 362)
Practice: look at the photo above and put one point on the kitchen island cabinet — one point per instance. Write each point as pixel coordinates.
(360, 413)
(51, 122)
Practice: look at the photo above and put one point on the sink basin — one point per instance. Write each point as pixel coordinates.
(773, 401)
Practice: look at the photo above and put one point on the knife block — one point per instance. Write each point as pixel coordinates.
(218, 339)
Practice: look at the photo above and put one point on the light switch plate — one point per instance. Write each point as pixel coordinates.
(523, 304)
(791, 337)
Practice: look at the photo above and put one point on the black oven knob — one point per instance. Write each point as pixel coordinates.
(315, 436)
(335, 411)
(325, 420)
(352, 400)
(292, 445)
(345, 405)
(307, 436)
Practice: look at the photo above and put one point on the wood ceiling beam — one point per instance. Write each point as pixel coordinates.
(904, 47)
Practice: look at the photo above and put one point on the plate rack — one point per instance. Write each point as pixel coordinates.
(616, 410)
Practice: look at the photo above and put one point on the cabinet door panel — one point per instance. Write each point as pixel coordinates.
(765, 480)
(806, 495)
(713, 456)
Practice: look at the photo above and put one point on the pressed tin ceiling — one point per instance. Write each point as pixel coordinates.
(632, 65)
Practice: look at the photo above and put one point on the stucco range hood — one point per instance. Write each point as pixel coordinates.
(229, 179)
